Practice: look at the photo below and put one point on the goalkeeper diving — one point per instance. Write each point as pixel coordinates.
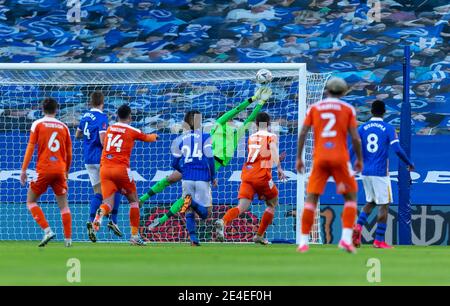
(225, 139)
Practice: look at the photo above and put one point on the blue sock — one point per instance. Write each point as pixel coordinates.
(115, 210)
(381, 230)
(96, 201)
(202, 211)
(362, 219)
(190, 225)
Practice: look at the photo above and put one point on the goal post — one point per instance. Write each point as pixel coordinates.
(159, 95)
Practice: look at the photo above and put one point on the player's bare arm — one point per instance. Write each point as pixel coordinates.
(301, 144)
(356, 142)
(26, 162)
(276, 160)
(78, 134)
(102, 136)
(68, 154)
(215, 183)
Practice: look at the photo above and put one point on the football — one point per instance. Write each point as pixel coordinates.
(264, 76)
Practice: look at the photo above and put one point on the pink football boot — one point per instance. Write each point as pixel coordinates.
(357, 233)
(381, 245)
(349, 248)
(303, 248)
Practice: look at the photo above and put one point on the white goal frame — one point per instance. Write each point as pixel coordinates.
(302, 96)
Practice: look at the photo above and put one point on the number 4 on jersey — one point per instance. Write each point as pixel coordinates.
(86, 131)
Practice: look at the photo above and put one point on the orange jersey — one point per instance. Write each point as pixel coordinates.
(119, 143)
(54, 153)
(259, 161)
(331, 118)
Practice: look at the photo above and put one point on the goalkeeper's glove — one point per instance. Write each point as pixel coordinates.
(262, 94)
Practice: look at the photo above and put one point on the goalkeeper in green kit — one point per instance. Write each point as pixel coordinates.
(225, 139)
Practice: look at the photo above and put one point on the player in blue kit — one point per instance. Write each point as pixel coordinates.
(194, 159)
(377, 137)
(92, 129)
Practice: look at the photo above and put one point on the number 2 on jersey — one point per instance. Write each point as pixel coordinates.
(114, 142)
(327, 130)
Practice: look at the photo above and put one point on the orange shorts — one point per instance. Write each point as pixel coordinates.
(116, 179)
(57, 181)
(266, 190)
(340, 171)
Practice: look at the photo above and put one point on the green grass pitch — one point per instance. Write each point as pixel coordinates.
(23, 263)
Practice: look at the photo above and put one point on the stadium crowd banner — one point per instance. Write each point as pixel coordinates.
(369, 60)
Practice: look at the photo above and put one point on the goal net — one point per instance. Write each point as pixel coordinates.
(159, 95)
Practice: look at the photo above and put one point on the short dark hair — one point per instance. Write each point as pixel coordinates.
(124, 112)
(263, 117)
(378, 108)
(189, 118)
(97, 98)
(49, 106)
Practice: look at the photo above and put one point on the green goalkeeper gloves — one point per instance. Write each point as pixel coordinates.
(262, 94)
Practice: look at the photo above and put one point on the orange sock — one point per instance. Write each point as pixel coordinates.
(308, 217)
(230, 215)
(134, 218)
(266, 220)
(106, 209)
(38, 215)
(349, 214)
(66, 217)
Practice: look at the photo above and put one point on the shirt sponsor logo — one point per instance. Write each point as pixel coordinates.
(329, 145)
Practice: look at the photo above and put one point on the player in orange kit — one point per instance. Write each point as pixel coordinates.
(115, 173)
(257, 179)
(331, 120)
(54, 157)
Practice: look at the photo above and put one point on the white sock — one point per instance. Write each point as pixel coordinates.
(304, 240)
(347, 235)
(99, 219)
(47, 230)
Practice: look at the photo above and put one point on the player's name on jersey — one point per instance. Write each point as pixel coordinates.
(90, 115)
(117, 129)
(374, 125)
(53, 125)
(328, 106)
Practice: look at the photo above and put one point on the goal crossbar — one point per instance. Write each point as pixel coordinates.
(151, 66)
